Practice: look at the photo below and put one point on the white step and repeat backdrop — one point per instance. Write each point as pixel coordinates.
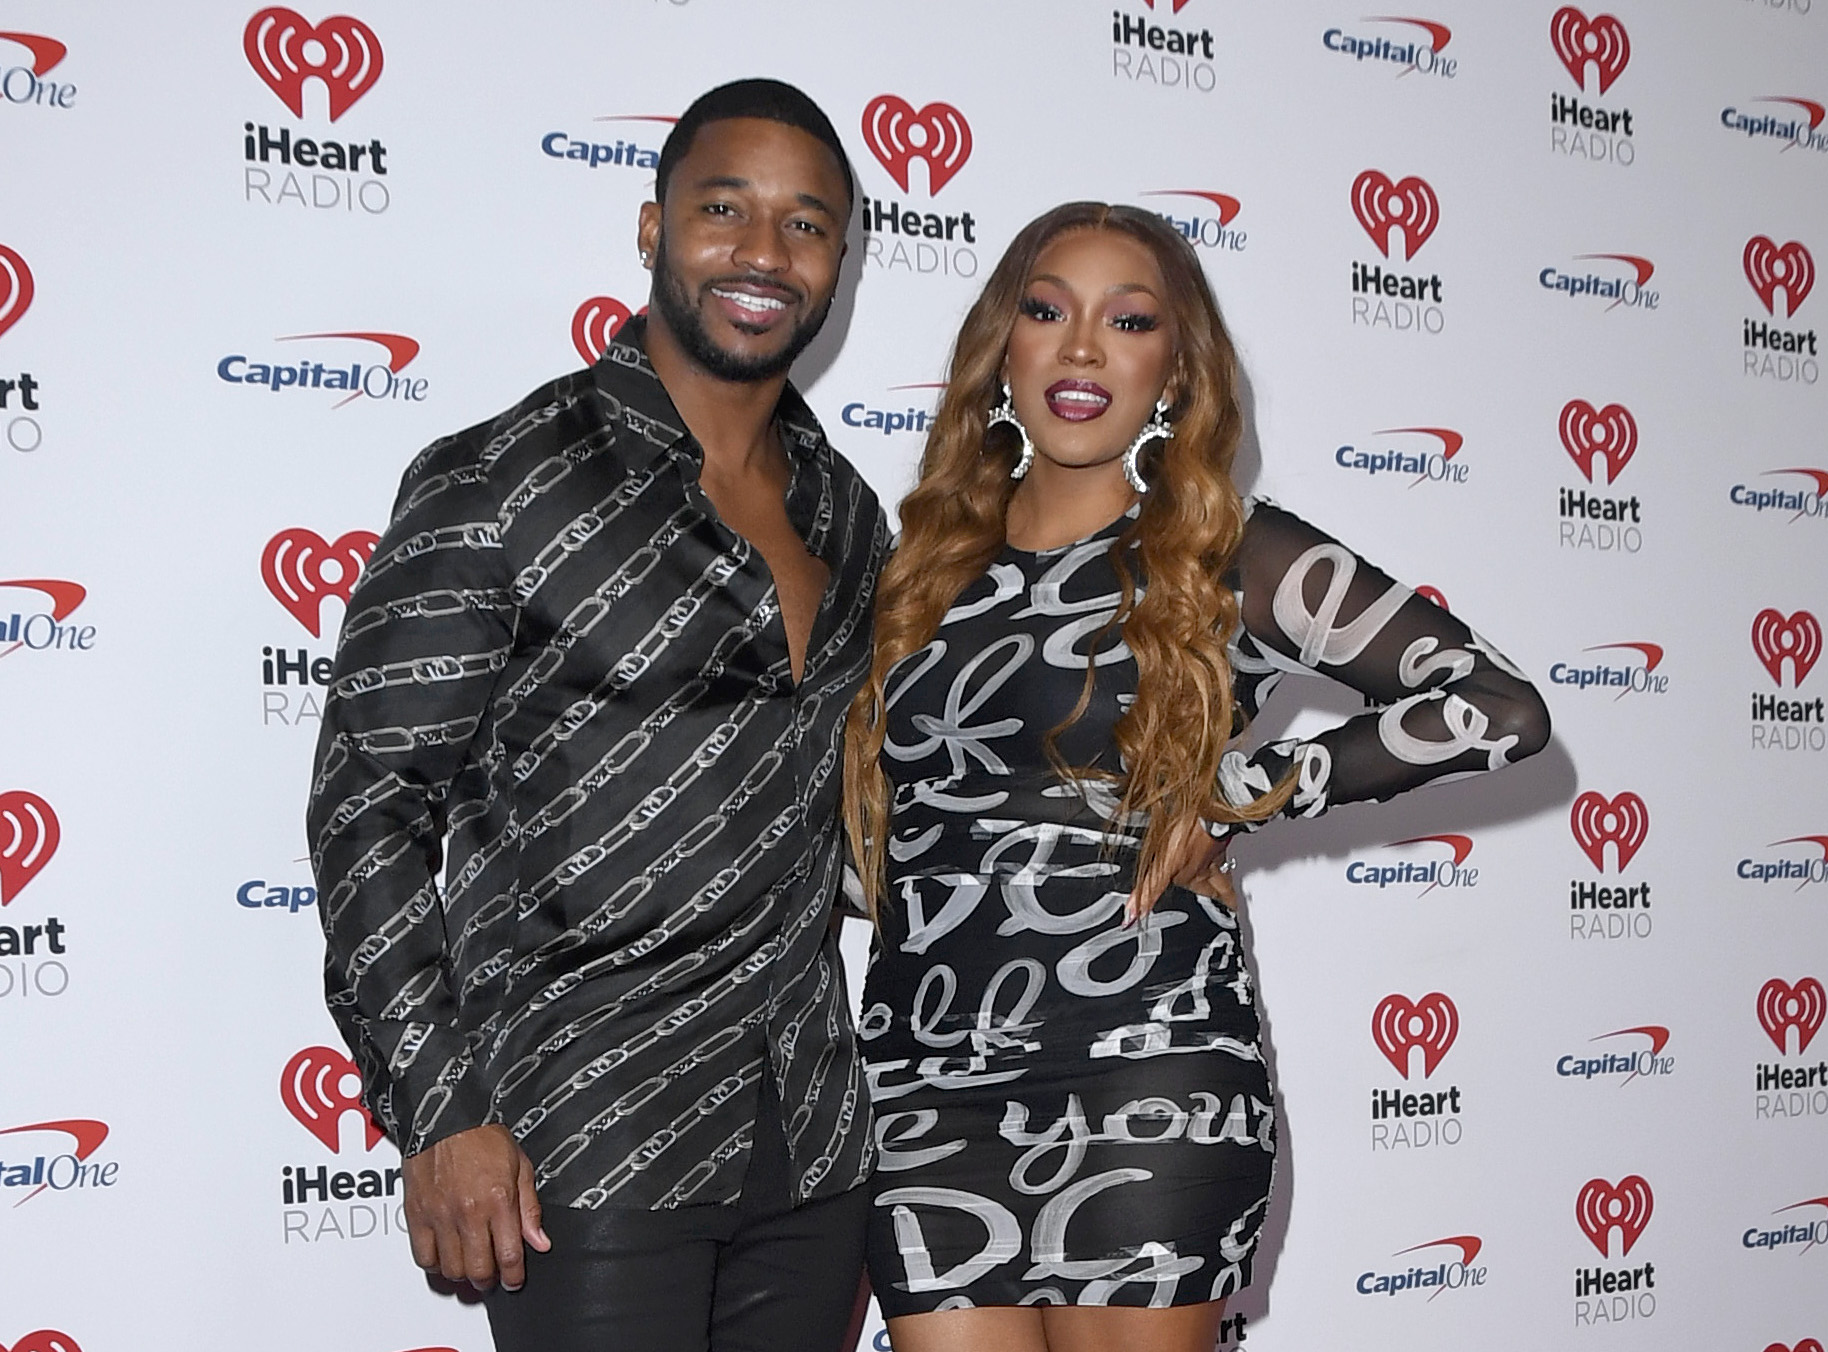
(1524, 296)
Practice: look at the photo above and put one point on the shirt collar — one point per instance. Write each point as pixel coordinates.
(637, 399)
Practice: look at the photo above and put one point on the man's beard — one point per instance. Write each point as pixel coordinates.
(674, 304)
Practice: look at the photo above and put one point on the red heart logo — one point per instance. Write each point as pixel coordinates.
(311, 1087)
(1782, 1007)
(595, 323)
(1601, 1206)
(1381, 205)
(1601, 40)
(1587, 432)
(28, 838)
(1806, 1345)
(285, 51)
(1624, 822)
(1796, 640)
(44, 1340)
(1769, 266)
(897, 135)
(301, 568)
(1430, 1023)
(15, 288)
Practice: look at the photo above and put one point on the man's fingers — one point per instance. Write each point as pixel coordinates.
(530, 1217)
(424, 1241)
(508, 1258)
(479, 1259)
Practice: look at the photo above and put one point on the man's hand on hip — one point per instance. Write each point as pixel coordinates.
(470, 1204)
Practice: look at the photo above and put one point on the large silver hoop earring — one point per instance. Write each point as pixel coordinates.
(1157, 426)
(1005, 412)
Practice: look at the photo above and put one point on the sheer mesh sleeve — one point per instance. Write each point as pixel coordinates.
(1447, 703)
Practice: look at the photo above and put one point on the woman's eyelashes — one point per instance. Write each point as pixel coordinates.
(1127, 321)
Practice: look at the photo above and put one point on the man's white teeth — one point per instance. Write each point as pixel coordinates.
(749, 302)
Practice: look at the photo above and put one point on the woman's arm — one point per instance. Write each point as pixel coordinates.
(1449, 704)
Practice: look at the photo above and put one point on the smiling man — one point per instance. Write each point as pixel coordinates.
(573, 817)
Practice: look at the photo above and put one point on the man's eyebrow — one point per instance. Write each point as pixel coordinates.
(805, 199)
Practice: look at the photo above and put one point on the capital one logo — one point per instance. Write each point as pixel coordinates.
(1782, 1007)
(897, 135)
(1399, 1025)
(47, 53)
(318, 1086)
(1589, 433)
(595, 322)
(15, 288)
(67, 1170)
(1601, 40)
(1382, 206)
(64, 595)
(29, 835)
(43, 1340)
(301, 569)
(1796, 640)
(1603, 1207)
(1769, 266)
(1622, 822)
(285, 51)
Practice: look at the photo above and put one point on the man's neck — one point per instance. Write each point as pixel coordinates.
(731, 420)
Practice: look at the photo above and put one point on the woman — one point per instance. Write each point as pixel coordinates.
(1075, 1120)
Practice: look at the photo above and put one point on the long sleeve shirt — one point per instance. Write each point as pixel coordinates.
(573, 820)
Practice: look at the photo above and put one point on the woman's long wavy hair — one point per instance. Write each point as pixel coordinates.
(953, 526)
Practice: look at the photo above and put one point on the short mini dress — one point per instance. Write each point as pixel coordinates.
(1069, 1111)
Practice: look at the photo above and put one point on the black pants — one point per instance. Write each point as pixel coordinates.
(760, 1276)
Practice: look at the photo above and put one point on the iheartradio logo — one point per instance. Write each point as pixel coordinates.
(301, 569)
(1398, 1025)
(897, 135)
(15, 288)
(595, 322)
(43, 1340)
(1806, 1345)
(1589, 433)
(318, 1086)
(1603, 1207)
(1601, 40)
(1381, 206)
(29, 834)
(1769, 266)
(1622, 822)
(285, 51)
(1796, 640)
(1782, 1007)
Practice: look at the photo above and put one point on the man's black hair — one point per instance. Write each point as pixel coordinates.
(771, 100)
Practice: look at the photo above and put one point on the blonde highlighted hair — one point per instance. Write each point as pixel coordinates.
(953, 526)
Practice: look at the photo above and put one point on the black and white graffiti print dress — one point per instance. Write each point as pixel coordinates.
(1069, 1111)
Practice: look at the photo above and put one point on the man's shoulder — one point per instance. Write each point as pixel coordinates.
(547, 419)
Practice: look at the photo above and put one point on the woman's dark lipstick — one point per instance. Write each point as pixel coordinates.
(1077, 400)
